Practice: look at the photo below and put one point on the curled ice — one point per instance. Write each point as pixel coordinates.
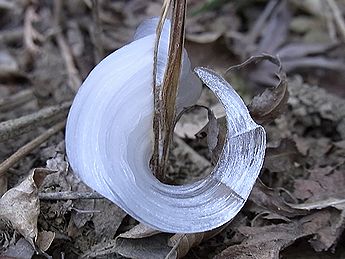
(109, 141)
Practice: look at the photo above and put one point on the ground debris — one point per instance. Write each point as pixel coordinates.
(298, 207)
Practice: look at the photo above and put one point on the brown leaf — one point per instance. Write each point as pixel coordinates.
(139, 231)
(268, 241)
(139, 242)
(324, 188)
(155, 246)
(215, 131)
(323, 183)
(108, 220)
(20, 205)
(21, 249)
(3, 184)
(182, 243)
(45, 239)
(270, 199)
(283, 157)
(270, 104)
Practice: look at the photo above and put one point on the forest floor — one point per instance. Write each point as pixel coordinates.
(296, 208)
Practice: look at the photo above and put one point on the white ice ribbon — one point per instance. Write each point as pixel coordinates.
(109, 140)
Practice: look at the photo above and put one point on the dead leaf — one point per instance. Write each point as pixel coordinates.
(22, 249)
(3, 184)
(139, 231)
(139, 242)
(215, 131)
(108, 220)
(44, 240)
(322, 183)
(182, 243)
(270, 104)
(324, 188)
(146, 248)
(20, 205)
(8, 235)
(282, 158)
(338, 203)
(270, 199)
(268, 241)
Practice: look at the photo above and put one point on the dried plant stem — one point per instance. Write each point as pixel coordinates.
(166, 109)
(11, 35)
(195, 157)
(27, 148)
(13, 101)
(30, 34)
(157, 122)
(69, 195)
(73, 73)
(260, 22)
(12, 128)
(96, 32)
(338, 18)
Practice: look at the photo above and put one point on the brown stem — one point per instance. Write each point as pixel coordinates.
(27, 148)
(164, 116)
(171, 78)
(68, 195)
(46, 116)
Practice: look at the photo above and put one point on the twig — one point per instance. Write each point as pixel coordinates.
(69, 195)
(96, 32)
(12, 128)
(195, 157)
(27, 148)
(73, 74)
(30, 34)
(86, 211)
(7, 5)
(329, 21)
(260, 22)
(12, 35)
(337, 17)
(15, 100)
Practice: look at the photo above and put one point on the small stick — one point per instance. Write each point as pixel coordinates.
(11, 36)
(260, 22)
(13, 101)
(73, 74)
(30, 34)
(15, 127)
(27, 148)
(337, 17)
(68, 195)
(96, 32)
